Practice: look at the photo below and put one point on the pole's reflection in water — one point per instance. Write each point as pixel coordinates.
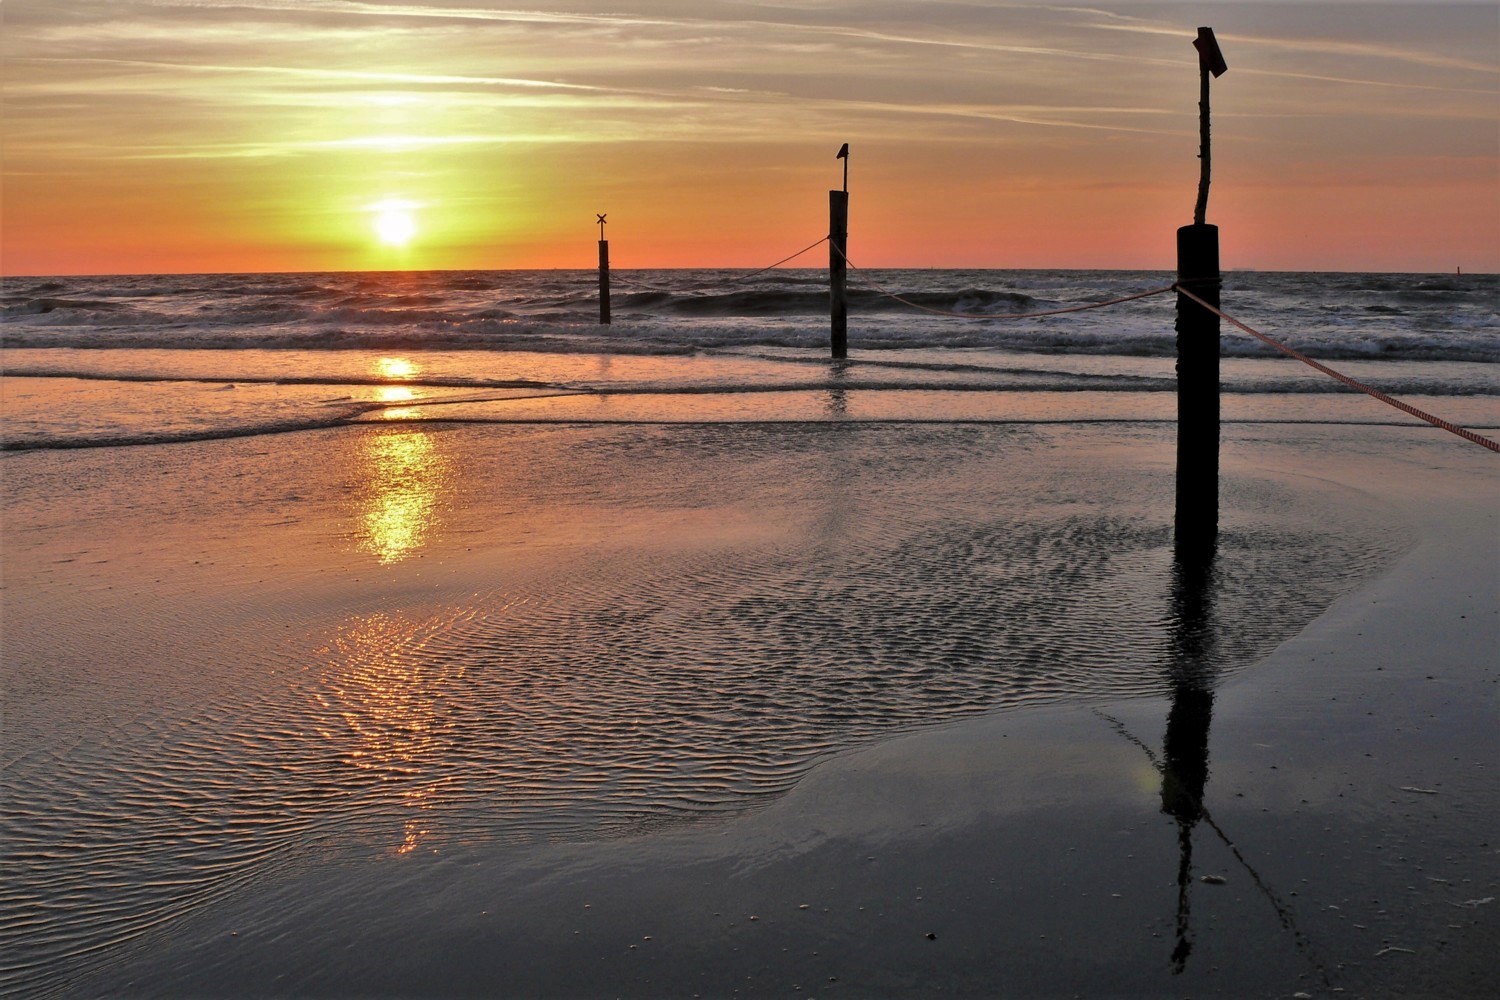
(1183, 763)
(836, 406)
(1184, 772)
(836, 520)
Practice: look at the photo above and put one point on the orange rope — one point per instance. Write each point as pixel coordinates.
(1030, 315)
(1352, 383)
(799, 253)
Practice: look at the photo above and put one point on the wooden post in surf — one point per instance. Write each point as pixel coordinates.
(838, 262)
(603, 275)
(1196, 519)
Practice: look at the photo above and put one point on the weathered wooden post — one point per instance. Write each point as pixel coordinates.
(603, 275)
(838, 263)
(1197, 508)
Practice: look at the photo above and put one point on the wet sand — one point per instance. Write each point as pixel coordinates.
(1345, 821)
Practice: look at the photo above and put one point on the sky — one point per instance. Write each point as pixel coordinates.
(156, 136)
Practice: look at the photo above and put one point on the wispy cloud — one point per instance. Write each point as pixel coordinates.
(301, 102)
(392, 79)
(1327, 47)
(354, 8)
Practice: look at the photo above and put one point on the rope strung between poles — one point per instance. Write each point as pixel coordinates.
(799, 253)
(638, 285)
(742, 277)
(1352, 383)
(1031, 315)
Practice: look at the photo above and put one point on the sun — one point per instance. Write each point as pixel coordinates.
(395, 222)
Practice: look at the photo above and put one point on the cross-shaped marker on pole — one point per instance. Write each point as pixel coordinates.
(601, 224)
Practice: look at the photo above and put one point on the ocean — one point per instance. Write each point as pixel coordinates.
(703, 345)
(308, 574)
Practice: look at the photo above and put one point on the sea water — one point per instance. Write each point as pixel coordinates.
(320, 570)
(183, 357)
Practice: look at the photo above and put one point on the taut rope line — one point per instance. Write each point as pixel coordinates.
(1352, 383)
(1031, 315)
(742, 277)
(799, 253)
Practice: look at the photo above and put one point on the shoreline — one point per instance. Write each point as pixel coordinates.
(1347, 804)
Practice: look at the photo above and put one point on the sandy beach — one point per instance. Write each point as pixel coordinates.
(375, 725)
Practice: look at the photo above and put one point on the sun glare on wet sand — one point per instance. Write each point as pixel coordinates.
(393, 367)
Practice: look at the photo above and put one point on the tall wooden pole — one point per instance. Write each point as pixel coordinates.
(838, 262)
(838, 271)
(1197, 502)
(1196, 518)
(604, 282)
(603, 275)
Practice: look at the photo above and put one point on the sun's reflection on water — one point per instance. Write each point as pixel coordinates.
(389, 367)
(392, 720)
(396, 368)
(394, 394)
(394, 727)
(406, 479)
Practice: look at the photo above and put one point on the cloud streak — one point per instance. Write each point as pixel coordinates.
(534, 109)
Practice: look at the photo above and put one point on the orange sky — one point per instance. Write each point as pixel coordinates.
(248, 135)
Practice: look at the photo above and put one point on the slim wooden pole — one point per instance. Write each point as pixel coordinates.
(838, 271)
(1204, 152)
(604, 282)
(1210, 63)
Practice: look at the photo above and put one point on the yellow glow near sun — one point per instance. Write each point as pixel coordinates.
(395, 222)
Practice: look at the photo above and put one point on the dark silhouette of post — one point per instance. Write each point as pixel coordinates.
(1184, 771)
(603, 275)
(1196, 519)
(838, 263)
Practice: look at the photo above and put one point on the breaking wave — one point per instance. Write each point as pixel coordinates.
(1372, 317)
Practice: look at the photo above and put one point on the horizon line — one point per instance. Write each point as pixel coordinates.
(1457, 272)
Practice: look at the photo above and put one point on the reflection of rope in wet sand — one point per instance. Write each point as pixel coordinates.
(1119, 727)
(1283, 909)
